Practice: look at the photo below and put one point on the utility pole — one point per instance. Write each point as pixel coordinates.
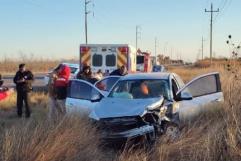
(211, 31)
(138, 35)
(155, 51)
(86, 21)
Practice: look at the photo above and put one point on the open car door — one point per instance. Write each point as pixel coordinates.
(106, 84)
(82, 97)
(200, 93)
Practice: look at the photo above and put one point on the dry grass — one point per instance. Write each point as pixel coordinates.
(69, 139)
(213, 136)
(36, 99)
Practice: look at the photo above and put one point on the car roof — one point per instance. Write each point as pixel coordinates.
(156, 75)
(72, 65)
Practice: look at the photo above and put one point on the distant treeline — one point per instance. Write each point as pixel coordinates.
(37, 66)
(221, 62)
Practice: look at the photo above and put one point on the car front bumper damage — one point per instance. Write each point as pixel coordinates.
(128, 134)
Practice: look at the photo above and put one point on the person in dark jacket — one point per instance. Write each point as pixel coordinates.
(85, 74)
(23, 80)
(122, 71)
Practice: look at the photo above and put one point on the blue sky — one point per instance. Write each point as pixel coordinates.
(55, 28)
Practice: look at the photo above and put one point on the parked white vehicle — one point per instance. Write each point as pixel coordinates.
(83, 96)
(74, 71)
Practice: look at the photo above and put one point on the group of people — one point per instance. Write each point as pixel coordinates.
(87, 75)
(57, 88)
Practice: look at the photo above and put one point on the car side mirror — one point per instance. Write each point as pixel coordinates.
(96, 98)
(182, 96)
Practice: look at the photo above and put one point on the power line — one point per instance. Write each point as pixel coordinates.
(222, 7)
(211, 30)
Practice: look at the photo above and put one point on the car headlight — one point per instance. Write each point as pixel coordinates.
(175, 107)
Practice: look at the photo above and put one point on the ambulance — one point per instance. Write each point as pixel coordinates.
(108, 57)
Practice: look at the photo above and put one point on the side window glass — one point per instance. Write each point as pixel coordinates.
(203, 86)
(80, 90)
(107, 84)
(94, 92)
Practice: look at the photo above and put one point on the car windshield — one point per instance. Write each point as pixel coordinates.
(141, 89)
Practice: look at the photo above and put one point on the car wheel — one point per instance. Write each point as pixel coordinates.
(171, 131)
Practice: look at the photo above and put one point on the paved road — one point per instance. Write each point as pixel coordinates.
(38, 84)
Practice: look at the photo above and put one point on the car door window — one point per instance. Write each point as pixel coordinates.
(81, 90)
(204, 86)
(107, 83)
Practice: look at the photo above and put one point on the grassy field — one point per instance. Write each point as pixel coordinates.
(213, 136)
(39, 66)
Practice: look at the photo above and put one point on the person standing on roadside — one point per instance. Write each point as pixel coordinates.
(122, 71)
(60, 88)
(23, 80)
(85, 74)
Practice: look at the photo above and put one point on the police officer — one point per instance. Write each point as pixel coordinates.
(23, 80)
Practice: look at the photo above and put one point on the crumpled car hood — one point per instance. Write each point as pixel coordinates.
(119, 107)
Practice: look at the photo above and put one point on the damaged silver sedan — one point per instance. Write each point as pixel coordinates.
(150, 104)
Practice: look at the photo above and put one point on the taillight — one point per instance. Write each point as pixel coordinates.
(123, 49)
(84, 49)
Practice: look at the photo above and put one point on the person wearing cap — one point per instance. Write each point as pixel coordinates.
(23, 80)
